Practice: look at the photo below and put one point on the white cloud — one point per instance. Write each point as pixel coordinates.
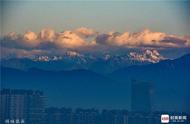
(11, 36)
(85, 39)
(69, 39)
(86, 32)
(30, 36)
(47, 34)
(20, 53)
(145, 38)
(79, 38)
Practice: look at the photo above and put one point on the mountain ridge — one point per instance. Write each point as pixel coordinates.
(84, 88)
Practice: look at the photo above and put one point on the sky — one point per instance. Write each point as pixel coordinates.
(43, 27)
(169, 16)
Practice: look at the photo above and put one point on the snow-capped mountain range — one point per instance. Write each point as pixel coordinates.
(105, 63)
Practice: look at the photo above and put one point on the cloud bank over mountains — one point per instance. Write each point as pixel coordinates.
(85, 39)
(145, 38)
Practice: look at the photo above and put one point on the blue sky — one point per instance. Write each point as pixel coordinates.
(169, 16)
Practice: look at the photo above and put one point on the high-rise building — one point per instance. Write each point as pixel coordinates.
(21, 106)
(141, 96)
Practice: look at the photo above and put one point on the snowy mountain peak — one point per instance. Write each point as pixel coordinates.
(73, 54)
(47, 58)
(152, 56)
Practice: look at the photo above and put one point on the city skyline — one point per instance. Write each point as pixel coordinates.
(20, 106)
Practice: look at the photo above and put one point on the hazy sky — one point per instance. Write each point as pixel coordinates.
(127, 15)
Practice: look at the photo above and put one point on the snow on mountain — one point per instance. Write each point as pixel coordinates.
(104, 63)
(152, 56)
(47, 58)
(73, 53)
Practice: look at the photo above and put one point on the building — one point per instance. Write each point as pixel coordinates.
(22, 106)
(141, 96)
(86, 116)
(114, 117)
(58, 116)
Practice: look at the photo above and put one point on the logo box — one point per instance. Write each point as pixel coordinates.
(165, 118)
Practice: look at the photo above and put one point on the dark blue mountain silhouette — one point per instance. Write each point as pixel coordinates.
(96, 64)
(84, 88)
(76, 88)
(170, 80)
